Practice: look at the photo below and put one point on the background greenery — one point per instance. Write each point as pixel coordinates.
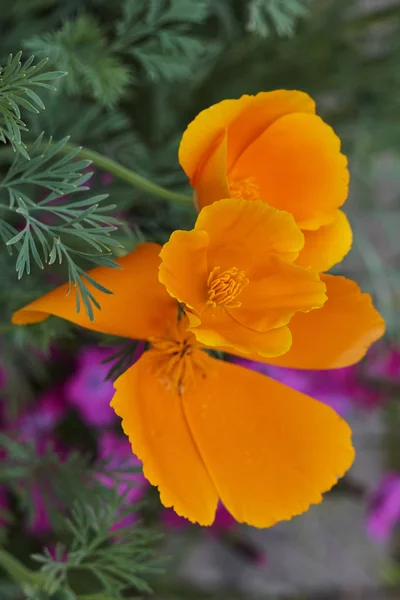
(137, 72)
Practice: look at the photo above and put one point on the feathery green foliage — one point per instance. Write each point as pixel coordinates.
(80, 47)
(58, 227)
(18, 82)
(100, 559)
(95, 557)
(281, 15)
(159, 36)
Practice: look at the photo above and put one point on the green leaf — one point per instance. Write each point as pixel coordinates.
(80, 49)
(279, 15)
(58, 227)
(160, 36)
(16, 83)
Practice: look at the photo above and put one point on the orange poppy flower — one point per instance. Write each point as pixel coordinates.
(234, 273)
(273, 147)
(206, 429)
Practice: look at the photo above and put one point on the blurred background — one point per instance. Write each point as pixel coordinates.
(138, 72)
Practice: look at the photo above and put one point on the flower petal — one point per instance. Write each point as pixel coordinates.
(212, 183)
(206, 132)
(336, 335)
(153, 419)
(183, 269)
(299, 168)
(326, 246)
(218, 329)
(243, 233)
(270, 451)
(261, 113)
(249, 117)
(139, 306)
(277, 289)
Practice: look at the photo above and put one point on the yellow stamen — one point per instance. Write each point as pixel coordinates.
(225, 287)
(180, 356)
(247, 189)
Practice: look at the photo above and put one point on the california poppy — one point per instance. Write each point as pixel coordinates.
(206, 429)
(235, 276)
(234, 272)
(274, 147)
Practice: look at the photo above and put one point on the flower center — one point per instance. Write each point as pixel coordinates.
(225, 287)
(180, 357)
(247, 189)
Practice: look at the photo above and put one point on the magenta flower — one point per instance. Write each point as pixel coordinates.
(116, 451)
(223, 520)
(36, 425)
(341, 389)
(89, 391)
(106, 178)
(384, 508)
(385, 364)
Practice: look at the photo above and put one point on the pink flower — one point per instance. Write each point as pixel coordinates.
(341, 389)
(89, 391)
(116, 451)
(38, 422)
(36, 425)
(384, 507)
(223, 520)
(106, 178)
(384, 363)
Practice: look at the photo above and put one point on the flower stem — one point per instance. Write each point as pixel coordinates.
(121, 172)
(17, 571)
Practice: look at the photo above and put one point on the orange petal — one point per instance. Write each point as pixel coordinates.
(270, 451)
(183, 269)
(276, 290)
(153, 419)
(242, 234)
(206, 132)
(212, 183)
(139, 306)
(263, 111)
(299, 168)
(249, 117)
(336, 335)
(218, 329)
(326, 246)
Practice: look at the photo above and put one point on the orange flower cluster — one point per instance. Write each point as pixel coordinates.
(269, 178)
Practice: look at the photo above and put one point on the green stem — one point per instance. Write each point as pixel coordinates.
(121, 172)
(17, 571)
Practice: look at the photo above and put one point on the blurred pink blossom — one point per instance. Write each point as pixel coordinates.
(223, 520)
(384, 507)
(116, 451)
(89, 391)
(37, 425)
(342, 389)
(38, 422)
(384, 363)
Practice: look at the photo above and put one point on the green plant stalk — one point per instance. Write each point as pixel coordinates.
(125, 174)
(17, 571)
(23, 576)
(112, 166)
